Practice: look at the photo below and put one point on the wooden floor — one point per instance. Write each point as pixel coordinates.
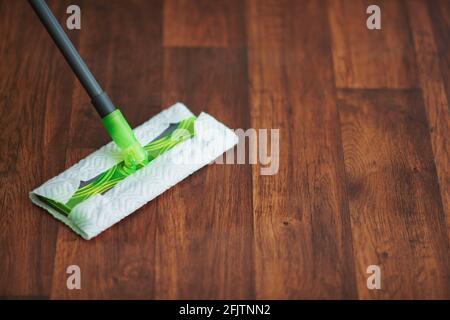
(364, 176)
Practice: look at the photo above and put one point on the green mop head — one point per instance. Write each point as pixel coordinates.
(101, 190)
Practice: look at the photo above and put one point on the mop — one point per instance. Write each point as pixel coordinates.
(137, 165)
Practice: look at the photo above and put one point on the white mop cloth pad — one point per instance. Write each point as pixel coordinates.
(99, 212)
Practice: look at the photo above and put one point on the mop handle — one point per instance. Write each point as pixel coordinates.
(113, 120)
(99, 98)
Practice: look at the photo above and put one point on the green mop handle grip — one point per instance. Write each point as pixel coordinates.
(123, 136)
(112, 119)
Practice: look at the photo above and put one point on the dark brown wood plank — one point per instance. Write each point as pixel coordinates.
(123, 50)
(440, 19)
(119, 262)
(37, 111)
(9, 93)
(72, 250)
(435, 98)
(204, 238)
(302, 235)
(203, 23)
(397, 217)
(116, 264)
(366, 58)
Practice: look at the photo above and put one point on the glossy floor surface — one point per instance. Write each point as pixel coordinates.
(364, 162)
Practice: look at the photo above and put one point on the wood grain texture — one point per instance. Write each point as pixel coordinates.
(436, 100)
(128, 36)
(366, 58)
(8, 93)
(363, 173)
(440, 20)
(209, 231)
(396, 209)
(124, 52)
(303, 240)
(28, 240)
(203, 23)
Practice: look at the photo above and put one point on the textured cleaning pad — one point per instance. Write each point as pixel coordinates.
(66, 196)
